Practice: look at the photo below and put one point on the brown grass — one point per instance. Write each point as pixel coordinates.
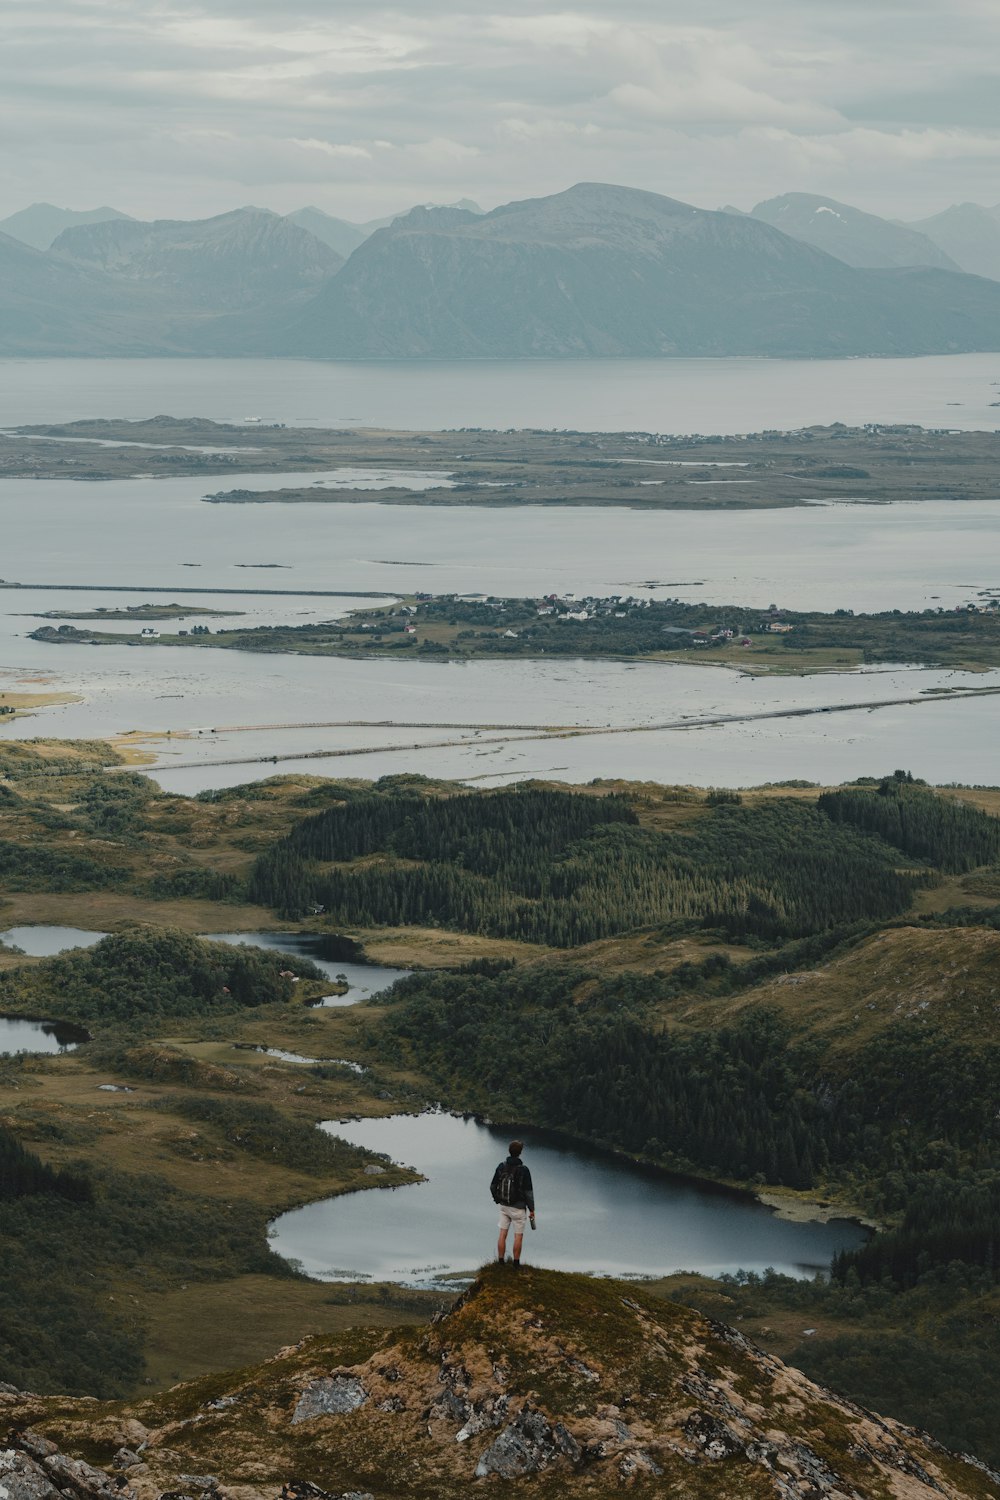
(946, 977)
(104, 911)
(199, 1329)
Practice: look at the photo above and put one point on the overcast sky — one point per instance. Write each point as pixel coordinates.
(179, 108)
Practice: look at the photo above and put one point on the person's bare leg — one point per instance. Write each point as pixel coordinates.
(517, 1248)
(502, 1245)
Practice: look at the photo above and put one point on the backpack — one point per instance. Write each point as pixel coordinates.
(507, 1184)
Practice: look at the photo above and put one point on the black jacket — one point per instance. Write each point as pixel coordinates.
(526, 1197)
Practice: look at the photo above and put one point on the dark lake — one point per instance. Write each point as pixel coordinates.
(595, 1214)
(364, 980)
(17, 1035)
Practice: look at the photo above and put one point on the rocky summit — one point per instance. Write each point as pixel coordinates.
(555, 1384)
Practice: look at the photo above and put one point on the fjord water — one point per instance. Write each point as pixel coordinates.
(591, 395)
(131, 534)
(596, 1213)
(201, 706)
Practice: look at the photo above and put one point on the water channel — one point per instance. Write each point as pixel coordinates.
(596, 1213)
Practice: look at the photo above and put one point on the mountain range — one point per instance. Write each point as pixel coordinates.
(249, 258)
(42, 223)
(964, 237)
(858, 238)
(39, 225)
(596, 270)
(969, 233)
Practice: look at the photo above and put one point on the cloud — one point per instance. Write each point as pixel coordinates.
(182, 106)
(335, 149)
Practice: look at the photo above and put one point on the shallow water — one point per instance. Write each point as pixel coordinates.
(211, 705)
(280, 1055)
(595, 1214)
(158, 533)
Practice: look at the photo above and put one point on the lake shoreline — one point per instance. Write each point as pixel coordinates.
(630, 1193)
(787, 1204)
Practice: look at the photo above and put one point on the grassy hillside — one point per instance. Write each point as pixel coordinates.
(571, 1385)
(792, 988)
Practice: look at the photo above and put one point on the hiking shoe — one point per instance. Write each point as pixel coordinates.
(516, 1265)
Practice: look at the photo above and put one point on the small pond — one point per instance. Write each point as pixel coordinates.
(18, 1035)
(595, 1214)
(280, 1055)
(364, 980)
(43, 942)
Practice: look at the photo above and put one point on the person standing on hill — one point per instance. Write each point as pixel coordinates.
(514, 1196)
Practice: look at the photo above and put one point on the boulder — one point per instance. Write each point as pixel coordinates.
(73, 1476)
(329, 1396)
(528, 1445)
(22, 1479)
(715, 1439)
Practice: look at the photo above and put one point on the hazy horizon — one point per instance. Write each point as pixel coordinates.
(164, 109)
(8, 210)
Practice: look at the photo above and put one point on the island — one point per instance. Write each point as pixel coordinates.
(878, 463)
(461, 627)
(135, 612)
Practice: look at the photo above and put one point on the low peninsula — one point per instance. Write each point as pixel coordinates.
(136, 612)
(453, 627)
(874, 464)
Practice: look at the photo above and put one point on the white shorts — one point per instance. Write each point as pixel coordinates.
(512, 1218)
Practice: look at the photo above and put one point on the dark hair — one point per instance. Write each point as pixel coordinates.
(515, 1148)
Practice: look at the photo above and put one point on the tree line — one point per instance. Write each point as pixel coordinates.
(750, 1098)
(936, 829)
(150, 974)
(25, 1175)
(565, 869)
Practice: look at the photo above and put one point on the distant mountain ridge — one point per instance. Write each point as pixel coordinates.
(40, 224)
(247, 258)
(50, 308)
(858, 238)
(606, 270)
(598, 270)
(344, 236)
(341, 235)
(970, 234)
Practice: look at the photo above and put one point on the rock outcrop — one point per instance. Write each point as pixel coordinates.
(571, 1385)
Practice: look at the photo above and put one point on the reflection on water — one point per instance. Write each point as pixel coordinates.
(44, 941)
(363, 980)
(17, 1035)
(595, 1214)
